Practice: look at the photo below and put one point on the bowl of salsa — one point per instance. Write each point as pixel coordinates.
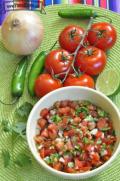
(73, 132)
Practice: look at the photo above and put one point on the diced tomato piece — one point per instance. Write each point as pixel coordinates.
(84, 156)
(81, 115)
(52, 134)
(44, 112)
(65, 133)
(59, 145)
(102, 123)
(71, 132)
(38, 139)
(69, 145)
(91, 107)
(64, 111)
(47, 143)
(105, 158)
(52, 131)
(94, 157)
(91, 125)
(44, 133)
(109, 151)
(94, 114)
(84, 123)
(109, 140)
(81, 144)
(72, 112)
(62, 125)
(79, 164)
(69, 170)
(90, 148)
(76, 120)
(49, 151)
(65, 121)
(98, 134)
(42, 123)
(58, 166)
(84, 129)
(46, 152)
(53, 126)
(42, 153)
(82, 165)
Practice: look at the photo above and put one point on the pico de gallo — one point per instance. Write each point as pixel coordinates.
(75, 136)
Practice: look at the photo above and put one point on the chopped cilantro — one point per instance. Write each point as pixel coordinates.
(90, 118)
(86, 103)
(105, 129)
(81, 110)
(104, 146)
(102, 113)
(78, 148)
(56, 118)
(86, 140)
(54, 157)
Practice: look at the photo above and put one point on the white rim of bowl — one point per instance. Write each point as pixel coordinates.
(72, 175)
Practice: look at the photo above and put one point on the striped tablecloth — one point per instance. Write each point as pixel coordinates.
(113, 5)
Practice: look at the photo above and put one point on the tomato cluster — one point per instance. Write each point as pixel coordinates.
(90, 59)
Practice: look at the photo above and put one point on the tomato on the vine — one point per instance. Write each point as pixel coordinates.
(102, 35)
(45, 84)
(91, 60)
(82, 80)
(58, 61)
(70, 37)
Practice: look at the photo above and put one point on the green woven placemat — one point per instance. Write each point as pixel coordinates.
(53, 25)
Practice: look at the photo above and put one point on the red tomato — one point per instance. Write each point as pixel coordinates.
(70, 37)
(102, 35)
(83, 80)
(45, 84)
(58, 61)
(91, 60)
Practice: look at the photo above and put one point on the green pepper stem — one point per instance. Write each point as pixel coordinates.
(78, 47)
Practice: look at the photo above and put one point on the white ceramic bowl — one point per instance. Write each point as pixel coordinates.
(73, 93)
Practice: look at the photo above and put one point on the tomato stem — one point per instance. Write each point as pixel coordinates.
(77, 49)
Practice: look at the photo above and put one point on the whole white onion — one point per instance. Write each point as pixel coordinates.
(22, 32)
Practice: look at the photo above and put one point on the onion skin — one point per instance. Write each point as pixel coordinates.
(22, 32)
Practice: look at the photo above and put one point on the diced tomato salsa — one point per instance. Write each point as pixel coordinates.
(75, 136)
